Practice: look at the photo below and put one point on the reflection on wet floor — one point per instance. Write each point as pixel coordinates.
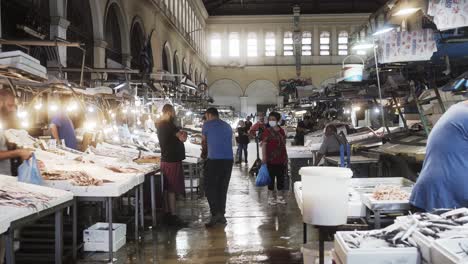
(256, 232)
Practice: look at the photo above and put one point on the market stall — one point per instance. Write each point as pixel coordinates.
(22, 204)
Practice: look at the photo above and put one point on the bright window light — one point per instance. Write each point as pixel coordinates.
(234, 44)
(343, 43)
(325, 43)
(252, 45)
(306, 43)
(216, 46)
(288, 44)
(270, 44)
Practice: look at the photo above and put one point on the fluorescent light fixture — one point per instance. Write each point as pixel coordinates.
(383, 30)
(24, 124)
(189, 113)
(53, 107)
(356, 108)
(406, 11)
(38, 106)
(301, 112)
(362, 46)
(377, 110)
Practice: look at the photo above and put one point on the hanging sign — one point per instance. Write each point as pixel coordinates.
(407, 46)
(449, 14)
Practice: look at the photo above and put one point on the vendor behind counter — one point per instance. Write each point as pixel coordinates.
(331, 144)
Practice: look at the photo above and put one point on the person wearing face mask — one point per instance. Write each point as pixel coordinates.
(171, 140)
(275, 157)
(8, 120)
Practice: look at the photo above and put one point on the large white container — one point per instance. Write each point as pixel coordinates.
(353, 72)
(448, 251)
(96, 237)
(325, 195)
(388, 255)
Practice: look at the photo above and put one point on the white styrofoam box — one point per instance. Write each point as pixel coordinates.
(335, 257)
(374, 255)
(99, 232)
(424, 242)
(104, 246)
(444, 251)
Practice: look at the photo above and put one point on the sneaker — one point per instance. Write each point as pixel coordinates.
(281, 200)
(272, 201)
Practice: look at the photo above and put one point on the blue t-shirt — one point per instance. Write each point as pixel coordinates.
(443, 182)
(219, 138)
(65, 129)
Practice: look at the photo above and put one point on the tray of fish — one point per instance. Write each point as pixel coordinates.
(430, 227)
(448, 251)
(390, 245)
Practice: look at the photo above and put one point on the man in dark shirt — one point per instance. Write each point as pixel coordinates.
(171, 141)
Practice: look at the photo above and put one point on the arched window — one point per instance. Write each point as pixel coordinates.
(184, 66)
(234, 44)
(270, 44)
(113, 35)
(306, 43)
(165, 60)
(136, 44)
(343, 43)
(325, 43)
(215, 45)
(176, 63)
(288, 49)
(252, 45)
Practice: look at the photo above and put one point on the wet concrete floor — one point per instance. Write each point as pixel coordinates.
(256, 232)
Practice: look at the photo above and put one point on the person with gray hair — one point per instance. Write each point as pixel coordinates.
(8, 120)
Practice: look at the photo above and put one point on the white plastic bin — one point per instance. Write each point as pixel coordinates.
(96, 237)
(325, 195)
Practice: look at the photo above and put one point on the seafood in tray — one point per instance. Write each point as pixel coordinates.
(79, 178)
(389, 193)
(18, 197)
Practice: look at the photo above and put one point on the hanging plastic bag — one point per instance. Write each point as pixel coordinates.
(263, 177)
(28, 172)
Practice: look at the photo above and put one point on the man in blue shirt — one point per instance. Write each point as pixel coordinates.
(218, 136)
(443, 182)
(62, 127)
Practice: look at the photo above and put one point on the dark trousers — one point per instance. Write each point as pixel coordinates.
(277, 172)
(218, 175)
(240, 148)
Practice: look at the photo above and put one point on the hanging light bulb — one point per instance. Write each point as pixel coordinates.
(73, 106)
(91, 109)
(24, 124)
(1, 125)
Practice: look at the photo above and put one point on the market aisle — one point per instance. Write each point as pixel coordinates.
(256, 232)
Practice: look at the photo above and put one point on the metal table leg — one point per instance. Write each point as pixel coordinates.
(153, 200)
(58, 236)
(74, 231)
(321, 246)
(137, 204)
(142, 210)
(111, 239)
(10, 247)
(304, 230)
(377, 219)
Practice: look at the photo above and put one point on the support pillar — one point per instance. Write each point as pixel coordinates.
(280, 101)
(243, 103)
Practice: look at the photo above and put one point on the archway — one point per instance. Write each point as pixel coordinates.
(80, 30)
(176, 64)
(166, 58)
(116, 34)
(137, 36)
(226, 92)
(261, 92)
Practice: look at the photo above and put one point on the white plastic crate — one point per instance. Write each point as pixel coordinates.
(97, 236)
(104, 247)
(349, 255)
(444, 251)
